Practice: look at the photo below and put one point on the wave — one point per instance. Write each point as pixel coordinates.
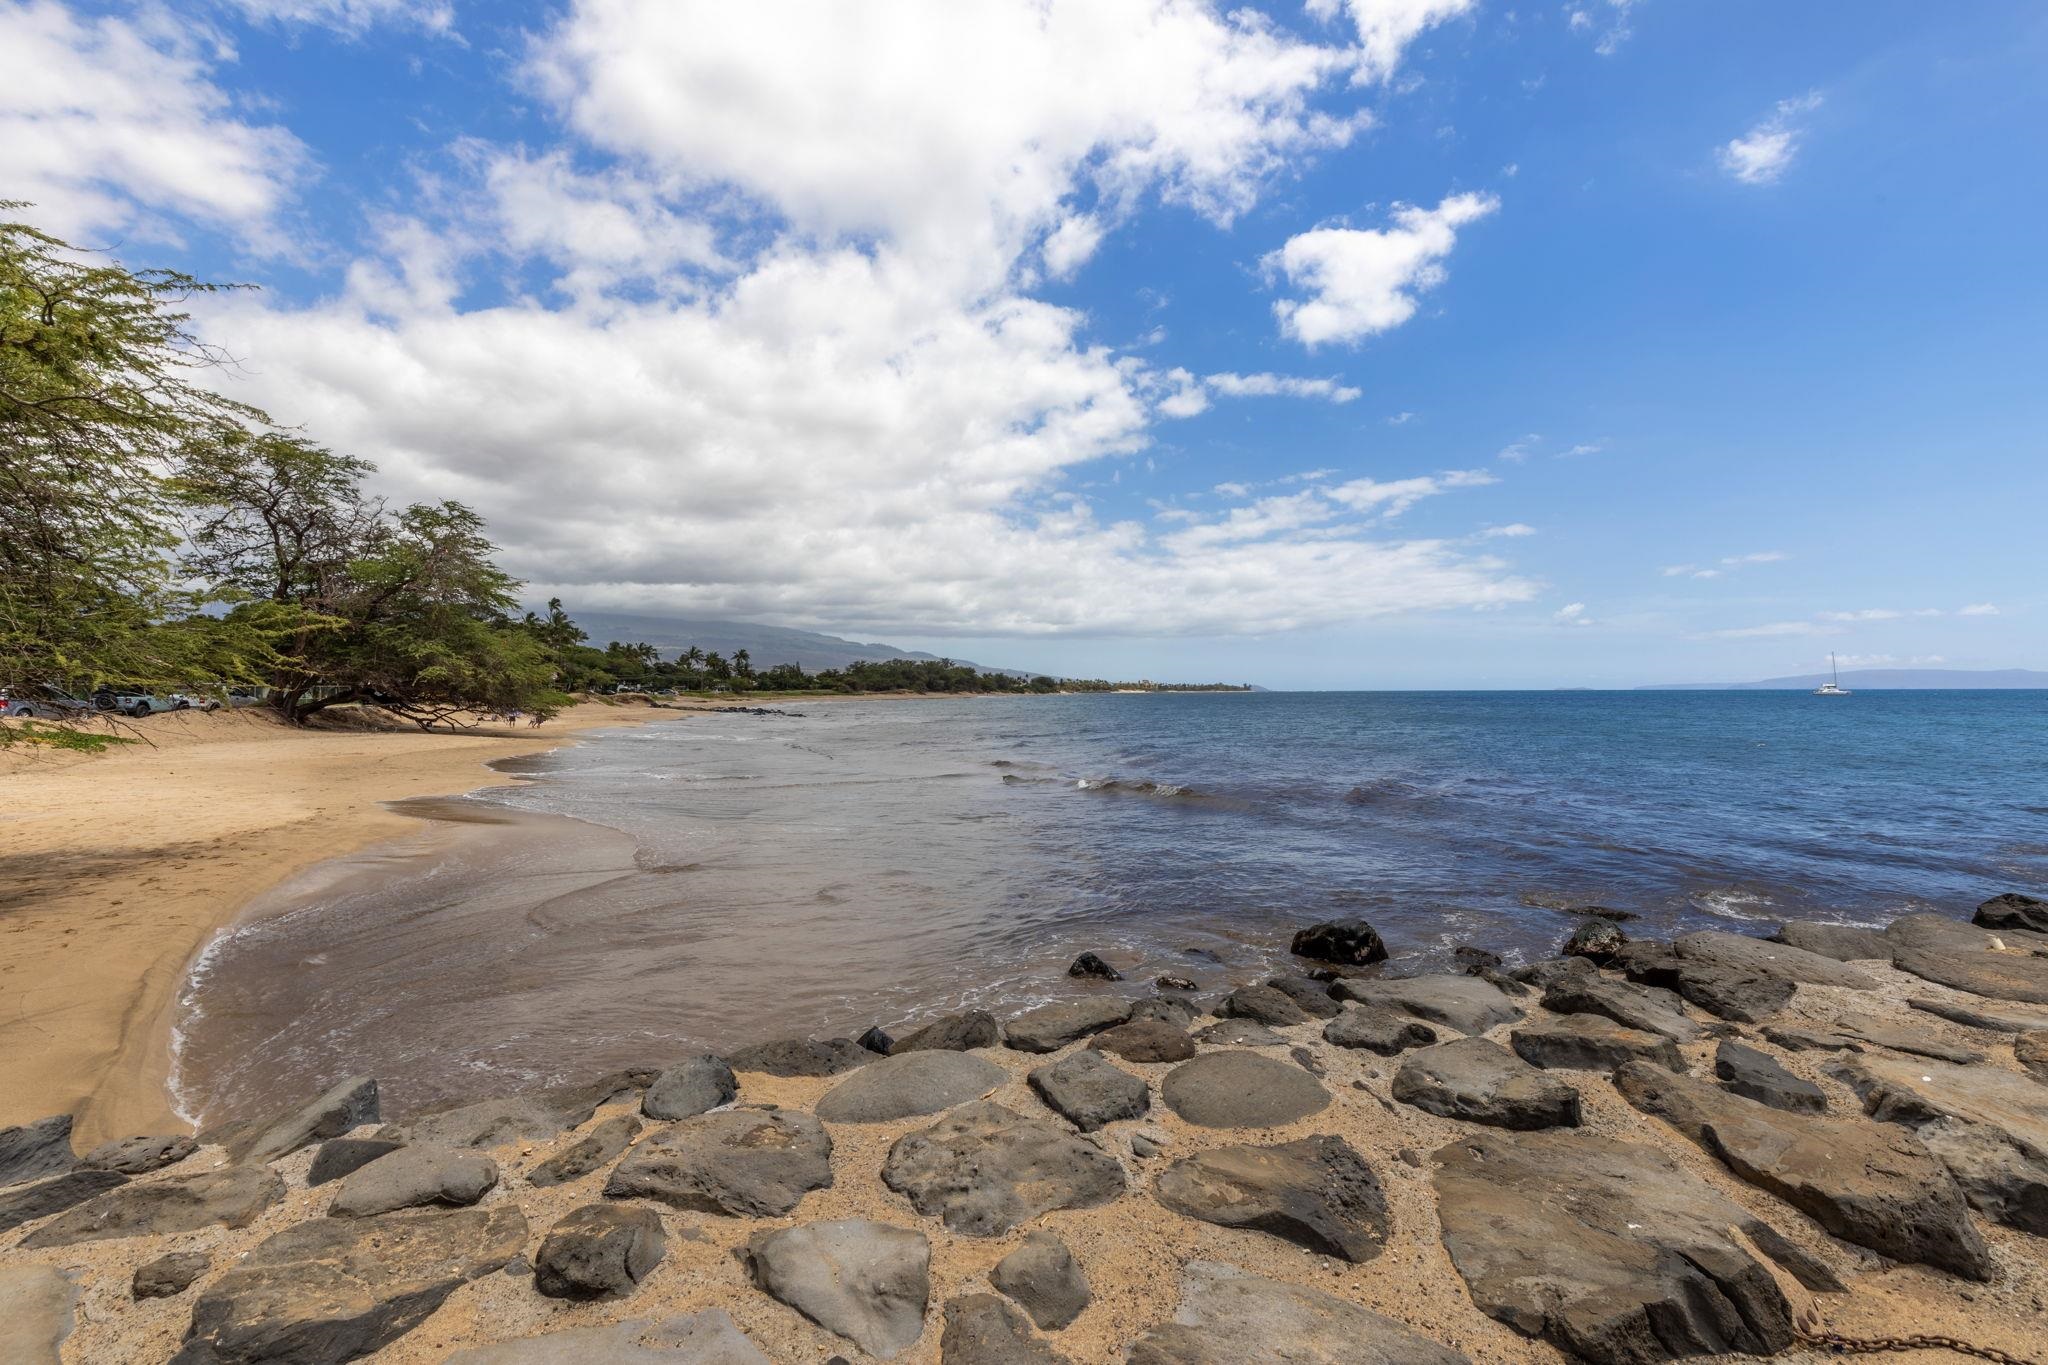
(1125, 786)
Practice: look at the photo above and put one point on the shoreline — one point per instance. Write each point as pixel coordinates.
(122, 867)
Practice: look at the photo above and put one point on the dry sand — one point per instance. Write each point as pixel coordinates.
(116, 868)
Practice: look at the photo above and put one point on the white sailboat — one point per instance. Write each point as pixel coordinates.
(1833, 686)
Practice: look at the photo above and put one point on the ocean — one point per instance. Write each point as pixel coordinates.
(731, 878)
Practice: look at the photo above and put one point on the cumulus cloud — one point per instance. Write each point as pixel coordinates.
(1766, 151)
(774, 349)
(1513, 530)
(1387, 27)
(1979, 609)
(1758, 557)
(115, 126)
(1363, 281)
(1768, 630)
(352, 16)
(1572, 614)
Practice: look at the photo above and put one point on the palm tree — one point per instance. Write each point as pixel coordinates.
(743, 663)
(691, 658)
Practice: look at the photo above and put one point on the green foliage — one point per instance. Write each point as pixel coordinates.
(65, 737)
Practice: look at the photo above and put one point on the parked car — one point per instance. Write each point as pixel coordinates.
(129, 703)
(187, 701)
(245, 696)
(46, 702)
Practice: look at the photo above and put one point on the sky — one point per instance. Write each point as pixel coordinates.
(1355, 343)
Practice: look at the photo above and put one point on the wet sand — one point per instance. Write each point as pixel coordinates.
(117, 868)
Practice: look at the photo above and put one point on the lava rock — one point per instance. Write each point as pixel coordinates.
(53, 1194)
(415, 1176)
(1145, 1040)
(2030, 1050)
(229, 1197)
(349, 1104)
(1597, 940)
(31, 1151)
(599, 1251)
(909, 1084)
(1088, 1092)
(1591, 1042)
(1263, 1004)
(1761, 1077)
(741, 1163)
(1346, 942)
(1311, 995)
(587, 1153)
(139, 1155)
(1051, 1027)
(1464, 1003)
(690, 1088)
(1842, 942)
(865, 1281)
(1228, 1317)
(983, 1330)
(1317, 1193)
(1042, 1276)
(1091, 967)
(801, 1057)
(343, 1156)
(2013, 911)
(1541, 974)
(1646, 1008)
(1163, 1009)
(1985, 1017)
(876, 1039)
(1377, 1030)
(1239, 1033)
(1754, 955)
(1731, 993)
(1174, 983)
(1482, 1082)
(168, 1276)
(961, 1032)
(983, 1169)
(1241, 1090)
(1865, 1028)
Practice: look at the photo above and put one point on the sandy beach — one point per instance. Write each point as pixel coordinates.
(119, 866)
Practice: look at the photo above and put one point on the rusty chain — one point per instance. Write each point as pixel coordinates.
(1862, 1346)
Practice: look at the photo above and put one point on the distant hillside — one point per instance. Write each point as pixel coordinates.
(1877, 679)
(766, 645)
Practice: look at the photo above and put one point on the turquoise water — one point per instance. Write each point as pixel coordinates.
(878, 860)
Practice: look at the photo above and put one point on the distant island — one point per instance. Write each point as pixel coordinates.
(1879, 679)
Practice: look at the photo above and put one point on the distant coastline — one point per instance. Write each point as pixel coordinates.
(1881, 679)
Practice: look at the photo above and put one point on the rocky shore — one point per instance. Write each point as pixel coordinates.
(1719, 1146)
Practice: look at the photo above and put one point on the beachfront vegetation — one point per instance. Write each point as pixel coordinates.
(156, 536)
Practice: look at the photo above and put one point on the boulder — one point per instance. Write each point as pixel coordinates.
(35, 1313)
(1091, 967)
(1610, 1250)
(1464, 1003)
(2013, 911)
(1867, 1183)
(1807, 1040)
(1645, 1008)
(577, 1159)
(1756, 956)
(1597, 940)
(1759, 1076)
(229, 1197)
(2001, 1160)
(1591, 1042)
(1228, 1317)
(349, 1104)
(801, 1057)
(1311, 995)
(1317, 1193)
(1042, 1276)
(1732, 993)
(909, 1084)
(415, 1176)
(1649, 963)
(1164, 1009)
(1263, 1004)
(334, 1289)
(983, 1170)
(1170, 982)
(1088, 1092)
(1237, 1089)
(139, 1155)
(1866, 1028)
(1986, 1017)
(168, 1276)
(983, 1330)
(865, 1281)
(689, 1088)
(1346, 942)
(53, 1194)
(1239, 1033)
(876, 1039)
(1842, 942)
(1482, 1082)
(1377, 1030)
(342, 1156)
(31, 1151)
(1541, 974)
(599, 1251)
(1145, 1040)
(1051, 1027)
(493, 1123)
(744, 1163)
(952, 1033)
(709, 1337)
(1976, 961)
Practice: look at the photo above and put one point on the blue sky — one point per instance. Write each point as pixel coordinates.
(1374, 343)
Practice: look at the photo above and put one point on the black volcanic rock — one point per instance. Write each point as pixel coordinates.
(1348, 942)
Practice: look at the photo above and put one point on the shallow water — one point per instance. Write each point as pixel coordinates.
(732, 878)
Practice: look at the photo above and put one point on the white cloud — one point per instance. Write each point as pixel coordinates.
(1766, 151)
(114, 126)
(1280, 386)
(1321, 508)
(1760, 557)
(1979, 609)
(1866, 614)
(1387, 27)
(1583, 448)
(1364, 280)
(1513, 530)
(1517, 451)
(352, 16)
(1068, 246)
(1572, 614)
(1400, 419)
(1612, 22)
(1768, 630)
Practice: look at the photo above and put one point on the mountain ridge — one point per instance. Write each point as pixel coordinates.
(766, 645)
